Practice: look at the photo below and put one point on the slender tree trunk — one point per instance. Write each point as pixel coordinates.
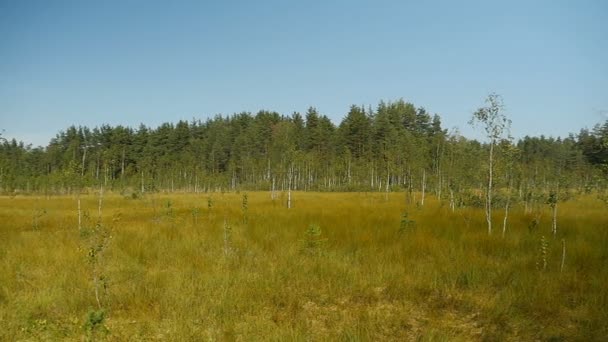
(388, 177)
(489, 195)
(268, 170)
(96, 286)
(196, 183)
(100, 203)
(410, 184)
(122, 164)
(84, 158)
(452, 204)
(423, 186)
(349, 171)
(79, 214)
(439, 187)
(98, 256)
(97, 169)
(289, 191)
(561, 269)
(554, 220)
(372, 177)
(504, 221)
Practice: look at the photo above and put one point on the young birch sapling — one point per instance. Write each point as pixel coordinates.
(495, 125)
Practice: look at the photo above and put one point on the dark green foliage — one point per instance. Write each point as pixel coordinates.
(196, 212)
(369, 148)
(406, 224)
(245, 207)
(38, 214)
(552, 199)
(533, 224)
(313, 242)
(94, 323)
(169, 212)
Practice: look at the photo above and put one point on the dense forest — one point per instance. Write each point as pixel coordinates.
(395, 146)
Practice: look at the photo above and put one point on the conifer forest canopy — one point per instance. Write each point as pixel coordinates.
(394, 146)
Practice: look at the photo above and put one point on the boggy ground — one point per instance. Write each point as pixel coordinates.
(336, 266)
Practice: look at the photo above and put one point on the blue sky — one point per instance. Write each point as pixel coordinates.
(128, 62)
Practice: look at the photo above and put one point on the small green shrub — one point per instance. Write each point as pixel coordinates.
(406, 224)
(313, 243)
(196, 212)
(94, 323)
(38, 214)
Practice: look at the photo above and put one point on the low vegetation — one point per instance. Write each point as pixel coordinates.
(335, 266)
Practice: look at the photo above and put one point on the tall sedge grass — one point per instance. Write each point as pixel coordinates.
(169, 276)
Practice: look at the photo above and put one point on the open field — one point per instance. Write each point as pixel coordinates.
(336, 266)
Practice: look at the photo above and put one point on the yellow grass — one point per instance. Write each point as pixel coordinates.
(173, 273)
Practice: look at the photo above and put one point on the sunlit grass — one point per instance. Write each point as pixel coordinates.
(169, 276)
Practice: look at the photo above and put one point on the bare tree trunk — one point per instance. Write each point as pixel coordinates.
(410, 186)
(97, 168)
(423, 186)
(504, 221)
(561, 269)
(100, 202)
(196, 183)
(295, 180)
(289, 191)
(348, 171)
(439, 187)
(452, 204)
(122, 164)
(84, 158)
(388, 177)
(79, 214)
(372, 177)
(489, 195)
(268, 170)
(554, 220)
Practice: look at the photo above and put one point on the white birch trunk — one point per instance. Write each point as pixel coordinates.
(423, 186)
(504, 222)
(452, 204)
(554, 220)
(489, 195)
(79, 214)
(84, 158)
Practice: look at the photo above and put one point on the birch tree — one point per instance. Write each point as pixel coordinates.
(495, 125)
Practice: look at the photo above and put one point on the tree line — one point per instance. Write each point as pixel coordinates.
(395, 146)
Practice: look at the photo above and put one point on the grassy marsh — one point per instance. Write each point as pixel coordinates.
(171, 271)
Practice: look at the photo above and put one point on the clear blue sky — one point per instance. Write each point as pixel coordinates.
(127, 62)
